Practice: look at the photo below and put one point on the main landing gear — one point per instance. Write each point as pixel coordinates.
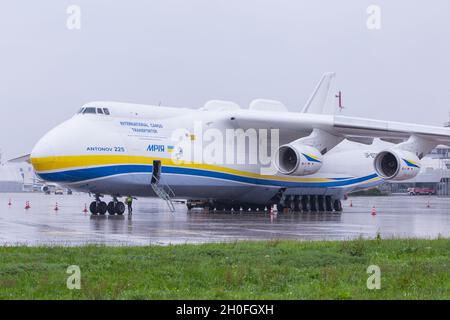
(99, 207)
(222, 206)
(309, 203)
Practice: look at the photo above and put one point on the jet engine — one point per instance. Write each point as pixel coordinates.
(397, 165)
(298, 159)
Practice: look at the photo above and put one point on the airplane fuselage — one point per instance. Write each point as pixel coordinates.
(115, 154)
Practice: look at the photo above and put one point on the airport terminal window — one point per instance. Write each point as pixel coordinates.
(89, 110)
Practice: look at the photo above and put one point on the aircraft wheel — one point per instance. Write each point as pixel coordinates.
(297, 204)
(305, 201)
(93, 208)
(102, 207)
(321, 203)
(292, 207)
(313, 203)
(110, 208)
(120, 208)
(328, 204)
(337, 205)
(280, 207)
(288, 203)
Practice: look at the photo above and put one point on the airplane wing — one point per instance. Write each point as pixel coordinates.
(313, 135)
(352, 126)
(313, 117)
(343, 126)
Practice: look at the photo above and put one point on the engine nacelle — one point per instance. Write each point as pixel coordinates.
(397, 165)
(298, 159)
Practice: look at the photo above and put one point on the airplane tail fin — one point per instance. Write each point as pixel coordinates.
(317, 100)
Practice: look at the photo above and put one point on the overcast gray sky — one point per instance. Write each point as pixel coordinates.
(185, 52)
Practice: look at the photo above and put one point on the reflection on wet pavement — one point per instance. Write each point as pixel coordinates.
(152, 223)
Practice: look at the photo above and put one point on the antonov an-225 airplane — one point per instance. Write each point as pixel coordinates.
(120, 149)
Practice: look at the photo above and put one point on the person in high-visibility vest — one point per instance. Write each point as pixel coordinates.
(129, 202)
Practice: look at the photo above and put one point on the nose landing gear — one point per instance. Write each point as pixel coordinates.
(99, 207)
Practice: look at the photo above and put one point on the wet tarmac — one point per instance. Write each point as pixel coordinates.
(152, 223)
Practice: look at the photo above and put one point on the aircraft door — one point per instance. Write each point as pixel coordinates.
(156, 174)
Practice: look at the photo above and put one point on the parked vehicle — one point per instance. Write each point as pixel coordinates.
(421, 191)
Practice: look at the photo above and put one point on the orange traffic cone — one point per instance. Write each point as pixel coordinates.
(374, 211)
(428, 204)
(56, 207)
(9, 202)
(27, 205)
(351, 203)
(85, 210)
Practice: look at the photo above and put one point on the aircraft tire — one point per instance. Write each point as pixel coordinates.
(229, 207)
(297, 204)
(328, 204)
(280, 207)
(321, 203)
(102, 208)
(110, 208)
(313, 203)
(304, 202)
(292, 204)
(93, 208)
(120, 208)
(337, 205)
(289, 203)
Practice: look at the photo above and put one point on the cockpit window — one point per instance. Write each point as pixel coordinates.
(94, 110)
(89, 110)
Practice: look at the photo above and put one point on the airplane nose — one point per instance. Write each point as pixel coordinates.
(43, 156)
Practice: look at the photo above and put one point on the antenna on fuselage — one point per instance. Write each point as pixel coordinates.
(339, 97)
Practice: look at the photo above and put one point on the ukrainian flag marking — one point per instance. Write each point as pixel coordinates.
(310, 157)
(410, 163)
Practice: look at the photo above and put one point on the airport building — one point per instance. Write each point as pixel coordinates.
(16, 177)
(434, 174)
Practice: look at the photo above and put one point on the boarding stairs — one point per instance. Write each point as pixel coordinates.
(164, 192)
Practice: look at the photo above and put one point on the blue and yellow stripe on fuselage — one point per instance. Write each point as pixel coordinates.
(75, 169)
